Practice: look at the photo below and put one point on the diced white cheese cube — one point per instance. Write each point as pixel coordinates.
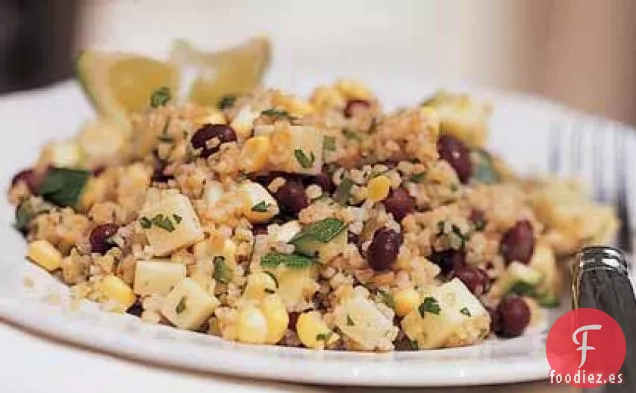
(188, 306)
(259, 205)
(157, 277)
(361, 321)
(171, 223)
(287, 231)
(453, 317)
(302, 147)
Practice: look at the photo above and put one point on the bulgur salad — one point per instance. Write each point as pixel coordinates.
(325, 222)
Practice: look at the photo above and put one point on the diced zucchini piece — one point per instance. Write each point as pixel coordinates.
(188, 305)
(116, 293)
(157, 277)
(462, 116)
(325, 252)
(302, 147)
(360, 320)
(517, 278)
(259, 206)
(323, 239)
(544, 261)
(449, 316)
(295, 285)
(170, 223)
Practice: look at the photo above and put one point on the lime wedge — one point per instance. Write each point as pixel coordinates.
(119, 84)
(232, 71)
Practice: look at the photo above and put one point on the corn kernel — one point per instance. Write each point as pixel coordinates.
(251, 326)
(255, 154)
(259, 285)
(313, 332)
(276, 316)
(378, 188)
(405, 301)
(44, 254)
(116, 291)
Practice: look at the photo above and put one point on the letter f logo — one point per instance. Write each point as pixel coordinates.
(584, 347)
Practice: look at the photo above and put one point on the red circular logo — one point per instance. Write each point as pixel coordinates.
(586, 348)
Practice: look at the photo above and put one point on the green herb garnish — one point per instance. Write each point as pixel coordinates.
(165, 138)
(294, 261)
(270, 291)
(63, 186)
(351, 135)
(329, 143)
(226, 101)
(222, 272)
(413, 346)
(484, 171)
(343, 192)
(324, 336)
(350, 321)
(163, 222)
(429, 305)
(465, 311)
(177, 218)
(160, 97)
(522, 288)
(418, 177)
(440, 228)
(26, 211)
(145, 222)
(277, 114)
(303, 160)
(463, 237)
(323, 231)
(181, 306)
(260, 207)
(387, 298)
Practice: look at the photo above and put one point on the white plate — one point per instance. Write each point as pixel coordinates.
(519, 132)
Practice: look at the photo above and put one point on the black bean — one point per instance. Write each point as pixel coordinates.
(384, 249)
(457, 155)
(100, 237)
(400, 204)
(517, 244)
(495, 322)
(514, 316)
(449, 260)
(354, 106)
(475, 279)
(207, 132)
(259, 229)
(291, 197)
(324, 181)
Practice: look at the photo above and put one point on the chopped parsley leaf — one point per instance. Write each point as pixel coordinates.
(145, 222)
(294, 261)
(324, 336)
(303, 160)
(177, 218)
(222, 272)
(181, 306)
(329, 143)
(350, 321)
(343, 192)
(272, 275)
(277, 114)
(387, 298)
(429, 305)
(418, 177)
(351, 135)
(160, 97)
(163, 222)
(165, 138)
(270, 291)
(226, 101)
(260, 207)
(465, 311)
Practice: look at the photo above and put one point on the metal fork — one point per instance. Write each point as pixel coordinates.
(582, 151)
